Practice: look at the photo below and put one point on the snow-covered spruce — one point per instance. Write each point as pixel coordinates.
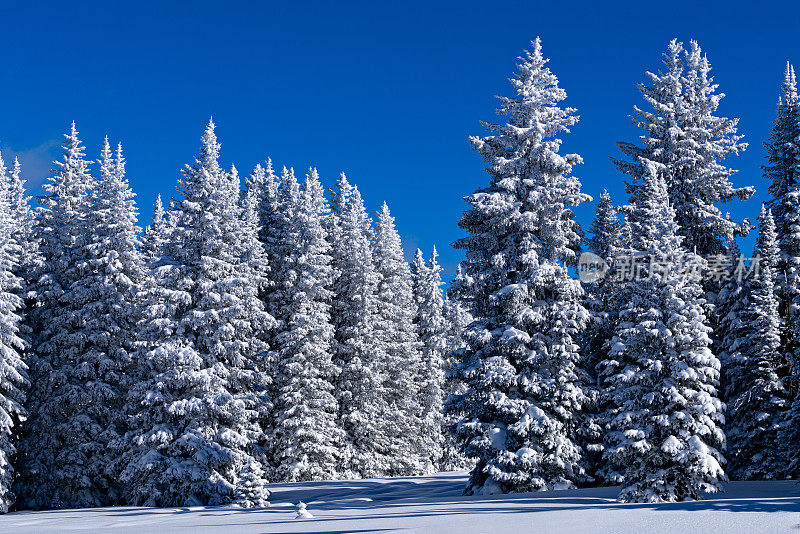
(457, 315)
(307, 441)
(106, 300)
(783, 172)
(401, 366)
(600, 300)
(433, 333)
(754, 394)
(660, 376)
(250, 490)
(606, 229)
(64, 453)
(521, 364)
(683, 133)
(360, 384)
(156, 233)
(195, 410)
(13, 370)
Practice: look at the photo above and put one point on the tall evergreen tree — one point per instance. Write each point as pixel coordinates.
(683, 133)
(457, 320)
(156, 233)
(22, 218)
(606, 228)
(660, 376)
(261, 210)
(400, 350)
(433, 334)
(755, 395)
(106, 301)
(13, 370)
(607, 241)
(521, 363)
(783, 172)
(307, 440)
(360, 385)
(62, 443)
(195, 411)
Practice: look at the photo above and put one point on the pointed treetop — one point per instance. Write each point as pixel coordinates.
(119, 162)
(209, 152)
(384, 211)
(672, 55)
(538, 93)
(767, 237)
(341, 193)
(342, 183)
(16, 170)
(312, 175)
(106, 161)
(789, 85)
(73, 144)
(158, 208)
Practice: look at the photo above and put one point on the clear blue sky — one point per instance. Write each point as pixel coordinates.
(387, 92)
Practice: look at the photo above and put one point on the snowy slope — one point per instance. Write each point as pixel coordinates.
(434, 504)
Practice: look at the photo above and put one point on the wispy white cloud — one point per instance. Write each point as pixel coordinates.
(36, 161)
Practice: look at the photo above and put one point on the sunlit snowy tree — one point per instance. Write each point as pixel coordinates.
(195, 411)
(307, 439)
(683, 133)
(521, 364)
(660, 376)
(755, 395)
(13, 370)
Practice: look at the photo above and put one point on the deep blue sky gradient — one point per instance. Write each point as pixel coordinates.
(387, 92)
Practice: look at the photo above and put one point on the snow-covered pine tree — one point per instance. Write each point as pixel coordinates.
(13, 370)
(417, 267)
(521, 363)
(97, 306)
(683, 133)
(156, 233)
(106, 304)
(783, 172)
(23, 218)
(194, 414)
(256, 203)
(754, 394)
(62, 449)
(606, 241)
(783, 153)
(402, 368)
(660, 375)
(457, 319)
(433, 333)
(606, 228)
(360, 384)
(250, 490)
(280, 243)
(261, 208)
(307, 440)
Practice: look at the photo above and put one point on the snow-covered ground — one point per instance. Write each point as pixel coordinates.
(434, 504)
